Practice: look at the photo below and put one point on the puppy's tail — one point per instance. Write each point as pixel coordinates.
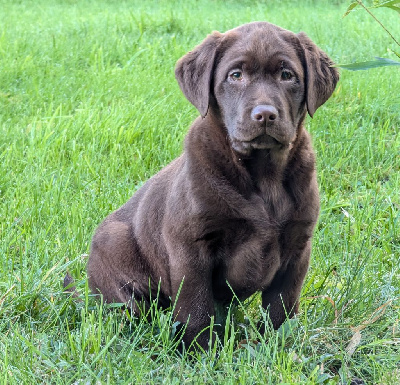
(70, 288)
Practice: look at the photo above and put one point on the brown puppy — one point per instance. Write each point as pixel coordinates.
(240, 204)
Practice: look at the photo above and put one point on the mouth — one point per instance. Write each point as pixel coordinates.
(262, 142)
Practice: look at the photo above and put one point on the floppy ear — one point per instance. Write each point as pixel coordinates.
(321, 78)
(194, 72)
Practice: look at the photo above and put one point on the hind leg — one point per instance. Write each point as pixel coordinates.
(115, 268)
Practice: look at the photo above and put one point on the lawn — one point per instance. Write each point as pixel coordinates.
(89, 109)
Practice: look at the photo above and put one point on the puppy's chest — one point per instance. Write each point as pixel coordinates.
(272, 203)
(252, 254)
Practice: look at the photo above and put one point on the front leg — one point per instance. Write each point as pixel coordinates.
(281, 298)
(192, 294)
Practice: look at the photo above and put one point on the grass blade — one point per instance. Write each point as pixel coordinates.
(366, 65)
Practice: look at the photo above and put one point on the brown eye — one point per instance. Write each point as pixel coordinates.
(286, 75)
(236, 75)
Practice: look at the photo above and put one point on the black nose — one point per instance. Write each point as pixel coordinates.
(264, 113)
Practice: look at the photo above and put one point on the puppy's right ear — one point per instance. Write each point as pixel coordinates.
(194, 72)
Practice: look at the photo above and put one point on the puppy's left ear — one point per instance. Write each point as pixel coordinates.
(194, 72)
(321, 77)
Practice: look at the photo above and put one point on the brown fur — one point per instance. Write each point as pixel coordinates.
(240, 204)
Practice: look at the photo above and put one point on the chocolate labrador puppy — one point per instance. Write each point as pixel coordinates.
(235, 212)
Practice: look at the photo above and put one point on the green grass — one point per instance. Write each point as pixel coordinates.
(89, 109)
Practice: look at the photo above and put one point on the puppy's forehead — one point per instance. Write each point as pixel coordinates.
(260, 42)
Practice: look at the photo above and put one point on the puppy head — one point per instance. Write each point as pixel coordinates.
(263, 80)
